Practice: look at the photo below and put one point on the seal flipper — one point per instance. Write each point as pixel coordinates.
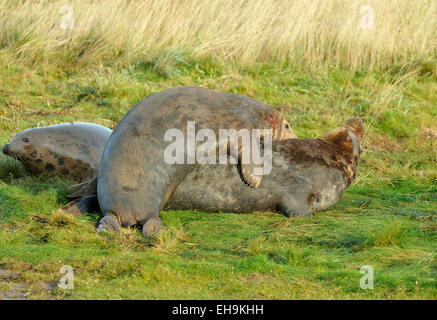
(72, 208)
(152, 226)
(294, 207)
(297, 212)
(248, 168)
(247, 172)
(83, 205)
(84, 189)
(109, 223)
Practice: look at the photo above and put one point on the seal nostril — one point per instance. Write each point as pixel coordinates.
(5, 148)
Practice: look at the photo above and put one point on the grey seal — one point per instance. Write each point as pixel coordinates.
(308, 175)
(135, 183)
(71, 150)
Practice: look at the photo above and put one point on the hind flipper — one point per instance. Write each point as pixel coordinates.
(84, 189)
(109, 223)
(82, 205)
(152, 226)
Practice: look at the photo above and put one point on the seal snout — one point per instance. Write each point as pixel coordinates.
(5, 149)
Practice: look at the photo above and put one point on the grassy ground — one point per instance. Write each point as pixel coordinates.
(386, 219)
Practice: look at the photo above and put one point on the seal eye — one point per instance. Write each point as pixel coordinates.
(26, 139)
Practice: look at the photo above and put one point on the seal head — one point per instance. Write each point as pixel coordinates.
(23, 148)
(71, 150)
(348, 138)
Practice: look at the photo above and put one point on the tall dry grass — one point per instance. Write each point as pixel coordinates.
(304, 33)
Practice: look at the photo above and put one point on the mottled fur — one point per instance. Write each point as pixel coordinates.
(71, 150)
(308, 175)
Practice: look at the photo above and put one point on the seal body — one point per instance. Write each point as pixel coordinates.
(308, 175)
(135, 182)
(71, 150)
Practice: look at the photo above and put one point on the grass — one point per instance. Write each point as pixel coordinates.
(306, 34)
(386, 219)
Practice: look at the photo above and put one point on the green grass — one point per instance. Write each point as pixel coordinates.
(386, 219)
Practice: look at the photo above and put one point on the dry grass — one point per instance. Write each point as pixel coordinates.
(310, 60)
(307, 34)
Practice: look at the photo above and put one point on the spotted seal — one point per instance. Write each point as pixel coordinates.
(135, 182)
(308, 175)
(71, 150)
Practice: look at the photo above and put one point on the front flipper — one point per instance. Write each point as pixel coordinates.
(251, 172)
(83, 189)
(248, 174)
